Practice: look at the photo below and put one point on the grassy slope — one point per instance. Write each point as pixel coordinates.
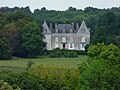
(69, 62)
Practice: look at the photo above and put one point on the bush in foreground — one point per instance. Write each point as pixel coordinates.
(57, 78)
(5, 86)
(57, 53)
(101, 71)
(24, 80)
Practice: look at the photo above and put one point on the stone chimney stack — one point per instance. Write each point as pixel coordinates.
(51, 27)
(56, 29)
(72, 25)
(77, 27)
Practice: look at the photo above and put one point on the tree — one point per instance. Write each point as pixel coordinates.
(5, 51)
(25, 81)
(101, 71)
(31, 40)
(12, 36)
(106, 29)
(110, 53)
(72, 9)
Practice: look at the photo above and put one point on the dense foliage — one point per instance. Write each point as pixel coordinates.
(25, 81)
(57, 78)
(31, 40)
(104, 25)
(43, 78)
(102, 70)
(58, 53)
(5, 86)
(21, 36)
(4, 46)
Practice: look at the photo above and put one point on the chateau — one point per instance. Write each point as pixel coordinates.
(66, 36)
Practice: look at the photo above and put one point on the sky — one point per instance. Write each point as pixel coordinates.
(60, 4)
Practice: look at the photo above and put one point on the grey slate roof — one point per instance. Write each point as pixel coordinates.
(64, 28)
(83, 28)
(46, 28)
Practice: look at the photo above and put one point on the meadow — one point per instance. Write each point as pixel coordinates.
(22, 62)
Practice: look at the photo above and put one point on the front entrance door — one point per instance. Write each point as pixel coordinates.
(63, 45)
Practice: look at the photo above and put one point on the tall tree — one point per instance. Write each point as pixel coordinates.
(11, 33)
(101, 71)
(106, 29)
(5, 51)
(31, 40)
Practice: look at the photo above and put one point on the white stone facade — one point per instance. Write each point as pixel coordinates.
(64, 36)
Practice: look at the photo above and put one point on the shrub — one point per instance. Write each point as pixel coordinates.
(101, 71)
(57, 78)
(25, 81)
(57, 53)
(5, 86)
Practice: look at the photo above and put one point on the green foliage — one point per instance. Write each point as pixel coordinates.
(57, 53)
(25, 81)
(107, 29)
(86, 47)
(12, 36)
(31, 40)
(101, 71)
(55, 78)
(5, 51)
(109, 53)
(5, 86)
(104, 27)
(29, 65)
(97, 76)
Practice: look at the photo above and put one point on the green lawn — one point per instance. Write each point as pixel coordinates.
(69, 62)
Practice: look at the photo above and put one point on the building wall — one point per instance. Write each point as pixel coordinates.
(48, 41)
(64, 36)
(56, 40)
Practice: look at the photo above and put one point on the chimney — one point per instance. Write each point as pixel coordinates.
(72, 25)
(56, 29)
(51, 27)
(77, 27)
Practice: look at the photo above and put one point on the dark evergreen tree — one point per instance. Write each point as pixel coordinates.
(31, 40)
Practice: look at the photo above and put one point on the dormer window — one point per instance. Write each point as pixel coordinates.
(83, 30)
(82, 39)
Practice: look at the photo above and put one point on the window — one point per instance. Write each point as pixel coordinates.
(83, 39)
(71, 46)
(56, 39)
(63, 39)
(82, 46)
(83, 30)
(56, 45)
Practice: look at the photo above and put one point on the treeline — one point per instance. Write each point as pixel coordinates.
(17, 27)
(20, 35)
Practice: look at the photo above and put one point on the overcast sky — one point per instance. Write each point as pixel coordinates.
(60, 4)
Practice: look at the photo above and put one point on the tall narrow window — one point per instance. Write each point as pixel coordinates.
(63, 39)
(82, 46)
(56, 45)
(71, 45)
(56, 39)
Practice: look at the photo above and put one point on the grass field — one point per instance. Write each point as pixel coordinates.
(22, 63)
